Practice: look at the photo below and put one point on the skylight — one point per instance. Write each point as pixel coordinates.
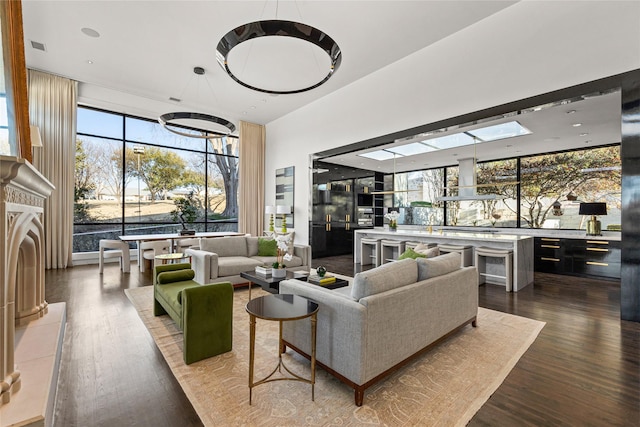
(378, 155)
(485, 134)
(501, 131)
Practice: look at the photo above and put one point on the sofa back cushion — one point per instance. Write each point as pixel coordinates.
(384, 278)
(437, 266)
(252, 246)
(225, 246)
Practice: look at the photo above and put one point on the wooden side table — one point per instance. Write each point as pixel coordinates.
(281, 308)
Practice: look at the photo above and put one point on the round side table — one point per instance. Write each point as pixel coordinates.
(281, 308)
(172, 258)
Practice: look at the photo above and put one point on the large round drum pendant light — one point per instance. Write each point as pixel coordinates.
(297, 30)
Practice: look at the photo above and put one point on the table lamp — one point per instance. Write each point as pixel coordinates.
(284, 210)
(593, 209)
(270, 210)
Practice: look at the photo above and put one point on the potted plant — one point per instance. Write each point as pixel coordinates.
(279, 268)
(393, 220)
(186, 212)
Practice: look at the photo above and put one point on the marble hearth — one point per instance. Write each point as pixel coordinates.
(28, 361)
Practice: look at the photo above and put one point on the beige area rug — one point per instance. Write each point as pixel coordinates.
(444, 387)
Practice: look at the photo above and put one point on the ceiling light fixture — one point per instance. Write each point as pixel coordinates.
(278, 28)
(164, 119)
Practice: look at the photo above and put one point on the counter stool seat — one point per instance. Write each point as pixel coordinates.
(482, 253)
(465, 251)
(370, 251)
(391, 250)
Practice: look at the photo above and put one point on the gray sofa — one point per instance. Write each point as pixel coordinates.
(387, 316)
(222, 259)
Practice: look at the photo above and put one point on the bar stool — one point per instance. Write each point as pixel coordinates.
(465, 251)
(117, 248)
(482, 253)
(391, 250)
(370, 251)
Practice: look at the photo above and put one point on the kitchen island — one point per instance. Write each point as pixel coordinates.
(522, 246)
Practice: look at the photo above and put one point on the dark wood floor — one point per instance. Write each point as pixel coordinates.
(582, 370)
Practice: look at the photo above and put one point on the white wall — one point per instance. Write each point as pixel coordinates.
(527, 49)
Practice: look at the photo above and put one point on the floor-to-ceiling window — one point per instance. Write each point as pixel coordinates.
(134, 177)
(550, 188)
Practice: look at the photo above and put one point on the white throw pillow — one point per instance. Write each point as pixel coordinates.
(427, 251)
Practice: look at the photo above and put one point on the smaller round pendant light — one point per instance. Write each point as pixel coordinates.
(167, 117)
(297, 30)
(164, 119)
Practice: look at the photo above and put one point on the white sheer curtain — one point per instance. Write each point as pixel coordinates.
(251, 185)
(52, 107)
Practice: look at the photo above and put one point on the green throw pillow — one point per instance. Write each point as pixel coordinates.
(176, 276)
(267, 247)
(410, 253)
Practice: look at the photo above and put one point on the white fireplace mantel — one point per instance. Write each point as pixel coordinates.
(23, 191)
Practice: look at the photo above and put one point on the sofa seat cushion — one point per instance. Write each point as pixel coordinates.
(438, 266)
(172, 293)
(225, 246)
(234, 265)
(384, 278)
(296, 261)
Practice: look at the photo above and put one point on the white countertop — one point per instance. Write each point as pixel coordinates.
(498, 234)
(446, 234)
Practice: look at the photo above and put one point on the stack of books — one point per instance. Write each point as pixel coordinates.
(264, 270)
(317, 280)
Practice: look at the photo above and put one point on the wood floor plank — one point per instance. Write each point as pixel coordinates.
(583, 369)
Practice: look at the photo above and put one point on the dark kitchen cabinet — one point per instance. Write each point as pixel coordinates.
(581, 257)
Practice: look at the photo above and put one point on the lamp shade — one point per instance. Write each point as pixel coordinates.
(269, 209)
(283, 209)
(593, 209)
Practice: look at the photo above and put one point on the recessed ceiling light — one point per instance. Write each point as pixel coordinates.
(253, 107)
(90, 32)
(89, 62)
(584, 134)
(575, 125)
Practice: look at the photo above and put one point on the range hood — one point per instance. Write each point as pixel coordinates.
(467, 184)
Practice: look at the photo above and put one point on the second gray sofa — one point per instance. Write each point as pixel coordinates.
(222, 259)
(388, 315)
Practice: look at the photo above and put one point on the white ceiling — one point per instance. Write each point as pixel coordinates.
(552, 129)
(147, 50)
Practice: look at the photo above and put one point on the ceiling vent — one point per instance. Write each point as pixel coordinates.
(171, 98)
(38, 46)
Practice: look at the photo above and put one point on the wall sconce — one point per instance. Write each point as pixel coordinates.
(270, 210)
(284, 210)
(557, 208)
(593, 209)
(36, 139)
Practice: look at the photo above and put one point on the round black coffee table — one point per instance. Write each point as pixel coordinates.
(282, 308)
